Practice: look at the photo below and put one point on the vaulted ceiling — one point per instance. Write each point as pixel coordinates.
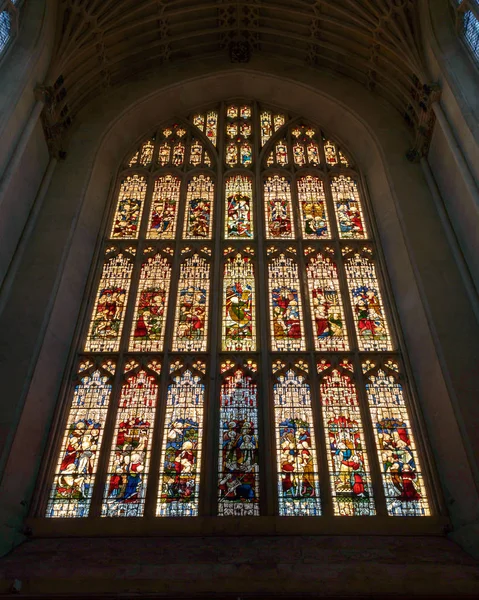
(376, 42)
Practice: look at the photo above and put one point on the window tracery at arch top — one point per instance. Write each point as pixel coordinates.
(239, 287)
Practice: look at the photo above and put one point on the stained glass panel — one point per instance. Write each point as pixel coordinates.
(347, 205)
(312, 206)
(347, 458)
(208, 124)
(200, 197)
(369, 316)
(129, 463)
(239, 300)
(181, 447)
(198, 155)
(146, 153)
(266, 124)
(238, 480)
(281, 153)
(329, 327)
(401, 472)
(285, 306)
(106, 322)
(148, 328)
(131, 198)
(330, 152)
(164, 208)
(278, 209)
(77, 463)
(191, 318)
(239, 208)
(298, 487)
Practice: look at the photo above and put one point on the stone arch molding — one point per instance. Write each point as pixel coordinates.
(70, 224)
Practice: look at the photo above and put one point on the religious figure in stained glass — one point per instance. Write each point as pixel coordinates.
(199, 208)
(181, 451)
(239, 214)
(312, 205)
(164, 208)
(238, 480)
(347, 205)
(239, 327)
(129, 209)
(277, 198)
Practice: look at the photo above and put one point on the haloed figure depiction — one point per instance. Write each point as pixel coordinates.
(239, 217)
(297, 467)
(286, 315)
(239, 316)
(108, 313)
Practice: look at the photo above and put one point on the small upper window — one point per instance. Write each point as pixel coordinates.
(467, 23)
(9, 10)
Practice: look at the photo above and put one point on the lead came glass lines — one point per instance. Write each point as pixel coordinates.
(164, 208)
(285, 306)
(347, 460)
(298, 487)
(239, 300)
(347, 204)
(199, 208)
(131, 198)
(401, 472)
(239, 208)
(129, 464)
(329, 327)
(148, 329)
(181, 450)
(191, 318)
(369, 316)
(78, 459)
(106, 322)
(278, 210)
(238, 481)
(312, 207)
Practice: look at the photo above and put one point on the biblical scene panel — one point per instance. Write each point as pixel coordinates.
(207, 123)
(348, 462)
(106, 323)
(239, 305)
(77, 463)
(239, 208)
(278, 209)
(129, 464)
(164, 208)
(149, 320)
(131, 198)
(181, 447)
(347, 204)
(191, 318)
(200, 198)
(401, 472)
(369, 316)
(298, 487)
(285, 306)
(238, 481)
(329, 327)
(313, 210)
(238, 139)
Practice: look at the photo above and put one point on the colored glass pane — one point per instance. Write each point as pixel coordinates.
(329, 327)
(401, 472)
(330, 152)
(191, 318)
(181, 448)
(129, 464)
(146, 153)
(238, 479)
(299, 155)
(312, 151)
(347, 458)
(211, 126)
(106, 322)
(279, 216)
(278, 121)
(129, 209)
(77, 463)
(347, 205)
(239, 324)
(231, 154)
(178, 154)
(164, 208)
(266, 124)
(246, 155)
(285, 306)
(281, 154)
(245, 112)
(199, 208)
(312, 206)
(232, 111)
(369, 316)
(298, 487)
(198, 155)
(239, 208)
(148, 329)
(164, 154)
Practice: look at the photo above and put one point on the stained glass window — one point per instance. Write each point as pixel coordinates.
(180, 463)
(239, 208)
(239, 304)
(239, 307)
(298, 477)
(238, 475)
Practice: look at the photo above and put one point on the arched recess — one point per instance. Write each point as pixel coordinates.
(57, 262)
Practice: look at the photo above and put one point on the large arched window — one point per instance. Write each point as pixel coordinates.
(9, 15)
(238, 353)
(467, 23)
